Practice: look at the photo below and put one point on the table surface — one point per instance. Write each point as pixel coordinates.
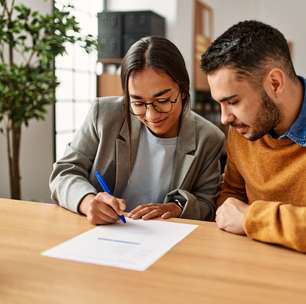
(208, 266)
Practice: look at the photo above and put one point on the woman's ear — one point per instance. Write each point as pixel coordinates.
(184, 96)
(274, 82)
(184, 100)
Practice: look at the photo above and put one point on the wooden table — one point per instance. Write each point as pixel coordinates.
(209, 266)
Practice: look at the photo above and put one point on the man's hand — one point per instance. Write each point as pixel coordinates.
(150, 211)
(102, 208)
(230, 216)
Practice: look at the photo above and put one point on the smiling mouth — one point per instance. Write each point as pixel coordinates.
(156, 123)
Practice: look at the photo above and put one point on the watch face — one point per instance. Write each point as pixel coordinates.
(178, 203)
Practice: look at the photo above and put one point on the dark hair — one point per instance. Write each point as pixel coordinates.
(160, 53)
(249, 47)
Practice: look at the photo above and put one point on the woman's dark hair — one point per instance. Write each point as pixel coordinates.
(249, 47)
(159, 53)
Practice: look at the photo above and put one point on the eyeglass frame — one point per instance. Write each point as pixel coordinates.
(146, 104)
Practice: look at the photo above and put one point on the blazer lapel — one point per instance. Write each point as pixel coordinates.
(184, 156)
(186, 146)
(122, 153)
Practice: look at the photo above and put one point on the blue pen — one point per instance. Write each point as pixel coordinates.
(105, 188)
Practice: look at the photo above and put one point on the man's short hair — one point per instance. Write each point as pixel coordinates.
(249, 47)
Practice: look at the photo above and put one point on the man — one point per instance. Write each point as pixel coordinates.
(252, 77)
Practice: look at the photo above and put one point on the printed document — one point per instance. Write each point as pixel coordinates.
(135, 245)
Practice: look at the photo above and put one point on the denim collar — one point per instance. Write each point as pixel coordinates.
(297, 131)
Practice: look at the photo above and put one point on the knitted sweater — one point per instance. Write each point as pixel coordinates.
(270, 175)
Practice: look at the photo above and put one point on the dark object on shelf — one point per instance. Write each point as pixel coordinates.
(207, 107)
(117, 31)
(144, 22)
(109, 47)
(110, 25)
(129, 39)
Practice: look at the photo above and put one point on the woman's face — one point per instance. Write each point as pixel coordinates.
(153, 85)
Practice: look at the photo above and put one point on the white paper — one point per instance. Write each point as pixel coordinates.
(135, 245)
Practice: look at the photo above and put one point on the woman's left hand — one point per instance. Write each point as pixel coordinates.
(150, 211)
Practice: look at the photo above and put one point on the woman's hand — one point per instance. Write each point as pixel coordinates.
(150, 211)
(101, 208)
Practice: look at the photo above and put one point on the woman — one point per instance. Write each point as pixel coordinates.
(159, 158)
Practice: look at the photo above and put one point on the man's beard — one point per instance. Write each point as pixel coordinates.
(267, 118)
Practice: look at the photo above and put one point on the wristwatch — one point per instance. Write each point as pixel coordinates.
(179, 203)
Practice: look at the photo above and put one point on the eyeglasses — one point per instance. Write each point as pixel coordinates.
(161, 106)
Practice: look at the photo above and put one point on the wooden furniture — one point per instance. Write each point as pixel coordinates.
(109, 82)
(209, 266)
(109, 85)
(203, 36)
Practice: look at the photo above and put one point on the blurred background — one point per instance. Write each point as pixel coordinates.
(190, 24)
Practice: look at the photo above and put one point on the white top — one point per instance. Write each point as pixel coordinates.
(152, 173)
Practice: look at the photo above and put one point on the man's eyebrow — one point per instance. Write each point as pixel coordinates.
(227, 98)
(162, 92)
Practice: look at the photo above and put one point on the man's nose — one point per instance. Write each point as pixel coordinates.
(226, 115)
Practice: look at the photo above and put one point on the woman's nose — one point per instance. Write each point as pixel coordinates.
(151, 112)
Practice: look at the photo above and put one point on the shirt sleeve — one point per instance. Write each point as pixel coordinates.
(277, 223)
(201, 199)
(69, 179)
(233, 183)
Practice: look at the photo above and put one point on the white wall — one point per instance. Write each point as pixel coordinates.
(286, 15)
(36, 147)
(182, 34)
(227, 13)
(289, 18)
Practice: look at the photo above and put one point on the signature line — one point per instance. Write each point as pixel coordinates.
(118, 241)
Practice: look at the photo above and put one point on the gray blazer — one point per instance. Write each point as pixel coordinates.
(103, 143)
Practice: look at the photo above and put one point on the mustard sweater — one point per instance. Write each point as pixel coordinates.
(269, 175)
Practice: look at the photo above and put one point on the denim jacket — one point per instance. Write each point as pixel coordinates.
(297, 131)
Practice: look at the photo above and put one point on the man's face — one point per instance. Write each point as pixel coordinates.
(248, 110)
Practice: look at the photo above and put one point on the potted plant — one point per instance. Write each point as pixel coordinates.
(29, 43)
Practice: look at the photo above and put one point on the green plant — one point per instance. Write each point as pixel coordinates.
(29, 43)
